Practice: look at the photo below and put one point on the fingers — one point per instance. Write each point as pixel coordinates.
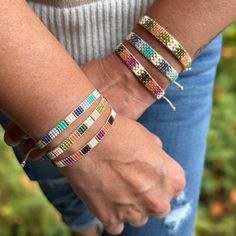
(134, 217)
(114, 228)
(157, 205)
(128, 213)
(176, 177)
(14, 135)
(158, 141)
(156, 193)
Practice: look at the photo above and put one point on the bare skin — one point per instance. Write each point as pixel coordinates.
(31, 95)
(142, 193)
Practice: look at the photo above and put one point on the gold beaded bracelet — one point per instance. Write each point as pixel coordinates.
(79, 131)
(167, 40)
(141, 73)
(90, 145)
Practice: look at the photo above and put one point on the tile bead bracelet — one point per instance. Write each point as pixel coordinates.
(90, 145)
(143, 76)
(79, 131)
(167, 40)
(68, 120)
(156, 59)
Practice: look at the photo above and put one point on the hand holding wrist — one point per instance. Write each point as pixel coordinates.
(128, 163)
(124, 90)
(130, 175)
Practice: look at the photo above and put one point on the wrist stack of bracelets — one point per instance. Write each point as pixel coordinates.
(54, 154)
(148, 52)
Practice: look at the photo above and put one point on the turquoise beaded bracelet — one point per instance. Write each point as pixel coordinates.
(141, 73)
(156, 59)
(68, 120)
(90, 145)
(82, 129)
(167, 40)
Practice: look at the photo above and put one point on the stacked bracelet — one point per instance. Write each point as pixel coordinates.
(167, 40)
(143, 76)
(156, 59)
(90, 145)
(74, 137)
(68, 120)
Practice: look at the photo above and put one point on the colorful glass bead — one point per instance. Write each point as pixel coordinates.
(89, 146)
(79, 131)
(142, 75)
(167, 40)
(68, 120)
(156, 59)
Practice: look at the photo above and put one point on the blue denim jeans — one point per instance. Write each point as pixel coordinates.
(183, 133)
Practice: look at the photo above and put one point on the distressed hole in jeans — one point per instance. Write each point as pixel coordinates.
(181, 210)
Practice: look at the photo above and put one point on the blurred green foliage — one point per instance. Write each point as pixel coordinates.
(217, 211)
(24, 211)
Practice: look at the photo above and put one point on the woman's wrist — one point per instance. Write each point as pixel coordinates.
(40, 83)
(134, 97)
(129, 81)
(119, 85)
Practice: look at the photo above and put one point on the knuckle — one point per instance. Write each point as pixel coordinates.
(139, 222)
(158, 141)
(114, 229)
(164, 209)
(154, 204)
(162, 212)
(180, 182)
(165, 212)
(109, 221)
(159, 207)
(177, 178)
(162, 175)
(143, 221)
(135, 218)
(106, 221)
(129, 214)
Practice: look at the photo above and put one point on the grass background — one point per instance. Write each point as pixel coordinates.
(24, 211)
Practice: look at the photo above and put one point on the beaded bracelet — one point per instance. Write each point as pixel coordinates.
(74, 137)
(143, 76)
(68, 120)
(90, 145)
(156, 59)
(167, 40)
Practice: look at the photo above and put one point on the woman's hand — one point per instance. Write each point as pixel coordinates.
(126, 178)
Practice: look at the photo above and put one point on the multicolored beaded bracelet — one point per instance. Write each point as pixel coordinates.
(68, 120)
(167, 40)
(143, 76)
(156, 59)
(75, 136)
(90, 145)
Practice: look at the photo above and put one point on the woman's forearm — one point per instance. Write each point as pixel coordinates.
(193, 23)
(40, 83)
(37, 74)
